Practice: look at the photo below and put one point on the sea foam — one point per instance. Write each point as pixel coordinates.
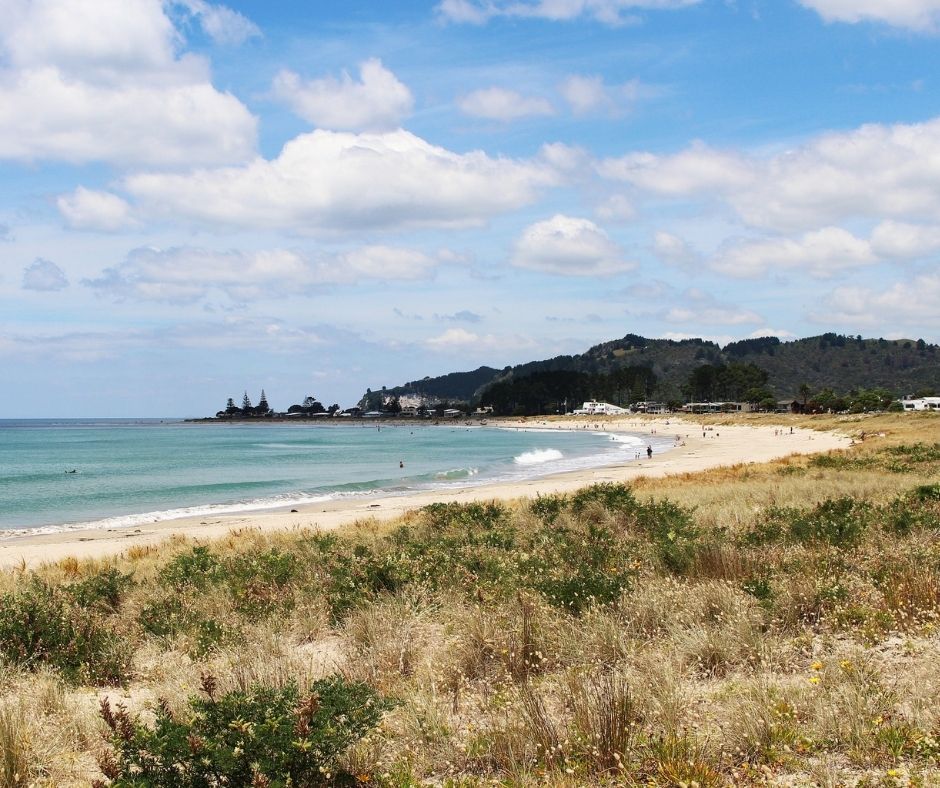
(538, 456)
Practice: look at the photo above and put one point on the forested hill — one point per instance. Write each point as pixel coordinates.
(842, 363)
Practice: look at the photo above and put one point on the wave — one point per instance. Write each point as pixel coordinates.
(538, 456)
(457, 473)
(149, 518)
(629, 440)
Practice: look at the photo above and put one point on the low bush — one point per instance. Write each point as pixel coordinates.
(613, 497)
(266, 736)
(199, 568)
(44, 625)
(103, 590)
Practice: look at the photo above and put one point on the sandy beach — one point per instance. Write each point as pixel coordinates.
(696, 451)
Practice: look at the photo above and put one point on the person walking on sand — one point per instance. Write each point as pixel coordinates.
(649, 452)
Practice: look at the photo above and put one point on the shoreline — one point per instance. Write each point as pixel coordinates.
(720, 446)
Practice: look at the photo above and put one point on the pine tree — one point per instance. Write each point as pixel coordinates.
(263, 407)
(246, 404)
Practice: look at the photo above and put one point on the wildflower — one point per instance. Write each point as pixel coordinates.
(813, 679)
(817, 665)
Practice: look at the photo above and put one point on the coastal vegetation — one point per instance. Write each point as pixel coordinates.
(751, 625)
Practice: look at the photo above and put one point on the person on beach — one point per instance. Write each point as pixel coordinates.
(649, 452)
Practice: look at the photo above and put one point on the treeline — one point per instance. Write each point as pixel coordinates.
(729, 383)
(560, 390)
(311, 406)
(247, 410)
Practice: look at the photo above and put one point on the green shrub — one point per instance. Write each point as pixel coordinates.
(267, 736)
(759, 588)
(613, 497)
(260, 583)
(164, 617)
(43, 625)
(673, 532)
(102, 591)
(842, 461)
(548, 507)
(440, 516)
(198, 568)
(575, 570)
(772, 527)
(926, 492)
(837, 521)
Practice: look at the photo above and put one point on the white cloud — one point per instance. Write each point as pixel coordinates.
(377, 102)
(44, 275)
(912, 303)
(335, 182)
(502, 104)
(188, 274)
(459, 339)
(220, 23)
(919, 15)
(674, 250)
(609, 12)
(696, 170)
(819, 253)
(84, 209)
(588, 94)
(875, 171)
(100, 80)
(570, 247)
(902, 241)
(780, 333)
(701, 308)
(616, 208)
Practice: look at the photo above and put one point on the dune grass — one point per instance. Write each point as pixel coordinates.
(770, 624)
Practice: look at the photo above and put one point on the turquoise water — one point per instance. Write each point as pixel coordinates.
(133, 472)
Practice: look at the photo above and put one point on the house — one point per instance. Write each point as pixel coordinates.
(595, 408)
(702, 407)
(650, 407)
(789, 406)
(922, 403)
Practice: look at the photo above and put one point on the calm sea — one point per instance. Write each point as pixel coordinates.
(57, 474)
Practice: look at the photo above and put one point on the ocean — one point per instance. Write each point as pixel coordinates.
(65, 474)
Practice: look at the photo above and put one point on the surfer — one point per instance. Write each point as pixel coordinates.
(401, 463)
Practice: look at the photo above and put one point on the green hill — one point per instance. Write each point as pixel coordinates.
(843, 363)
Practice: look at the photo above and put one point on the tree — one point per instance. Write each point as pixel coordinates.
(262, 408)
(804, 393)
(246, 405)
(230, 407)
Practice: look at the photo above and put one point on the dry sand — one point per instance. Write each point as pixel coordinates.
(720, 446)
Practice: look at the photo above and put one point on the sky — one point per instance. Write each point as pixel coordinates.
(314, 198)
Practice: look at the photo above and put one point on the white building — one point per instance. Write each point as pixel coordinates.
(595, 408)
(924, 403)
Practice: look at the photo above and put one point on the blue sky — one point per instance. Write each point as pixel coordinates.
(318, 197)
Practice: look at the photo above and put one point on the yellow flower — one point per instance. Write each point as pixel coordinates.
(817, 665)
(814, 679)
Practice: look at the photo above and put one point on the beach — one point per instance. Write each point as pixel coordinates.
(696, 450)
